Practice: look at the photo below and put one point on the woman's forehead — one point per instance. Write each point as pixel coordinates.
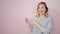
(41, 5)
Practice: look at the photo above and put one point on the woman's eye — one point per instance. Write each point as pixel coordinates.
(38, 7)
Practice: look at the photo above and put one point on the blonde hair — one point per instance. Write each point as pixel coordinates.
(45, 7)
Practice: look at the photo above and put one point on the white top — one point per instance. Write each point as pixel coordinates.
(46, 23)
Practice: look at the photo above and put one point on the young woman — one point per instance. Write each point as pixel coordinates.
(42, 23)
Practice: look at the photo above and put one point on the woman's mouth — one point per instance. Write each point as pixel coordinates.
(41, 11)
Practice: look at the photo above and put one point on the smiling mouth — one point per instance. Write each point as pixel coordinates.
(41, 11)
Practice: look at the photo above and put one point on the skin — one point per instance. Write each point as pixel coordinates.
(41, 11)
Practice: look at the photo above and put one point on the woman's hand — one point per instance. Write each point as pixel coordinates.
(36, 24)
(33, 22)
(27, 21)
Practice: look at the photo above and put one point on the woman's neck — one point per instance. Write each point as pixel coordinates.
(42, 16)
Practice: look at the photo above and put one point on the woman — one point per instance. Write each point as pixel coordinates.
(42, 23)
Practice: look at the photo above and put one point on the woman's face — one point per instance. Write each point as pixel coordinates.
(41, 9)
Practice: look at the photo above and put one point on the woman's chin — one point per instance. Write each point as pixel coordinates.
(41, 14)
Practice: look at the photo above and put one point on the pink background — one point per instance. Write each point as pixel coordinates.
(13, 12)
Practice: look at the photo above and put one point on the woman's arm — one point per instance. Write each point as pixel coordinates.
(32, 22)
(36, 24)
(49, 26)
(27, 22)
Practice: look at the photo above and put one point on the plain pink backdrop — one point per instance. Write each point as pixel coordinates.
(13, 12)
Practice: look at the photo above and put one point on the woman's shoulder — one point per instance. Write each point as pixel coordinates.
(49, 17)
